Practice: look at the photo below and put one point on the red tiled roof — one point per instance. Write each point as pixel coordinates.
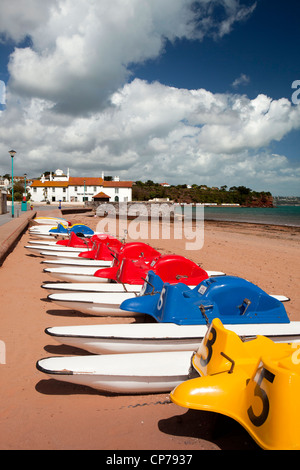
(117, 184)
(89, 181)
(81, 181)
(101, 195)
(51, 184)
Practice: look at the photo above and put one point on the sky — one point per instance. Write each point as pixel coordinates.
(177, 91)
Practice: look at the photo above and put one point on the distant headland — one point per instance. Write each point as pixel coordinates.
(235, 195)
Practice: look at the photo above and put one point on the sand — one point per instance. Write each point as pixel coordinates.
(41, 413)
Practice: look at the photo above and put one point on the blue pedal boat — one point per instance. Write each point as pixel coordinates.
(76, 228)
(233, 300)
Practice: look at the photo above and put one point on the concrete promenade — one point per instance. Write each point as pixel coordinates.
(11, 229)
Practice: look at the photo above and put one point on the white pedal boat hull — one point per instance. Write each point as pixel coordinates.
(143, 373)
(99, 304)
(59, 255)
(80, 262)
(60, 287)
(86, 274)
(45, 243)
(37, 237)
(44, 230)
(75, 274)
(55, 248)
(158, 337)
(51, 220)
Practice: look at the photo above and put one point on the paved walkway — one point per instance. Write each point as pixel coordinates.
(4, 218)
(12, 228)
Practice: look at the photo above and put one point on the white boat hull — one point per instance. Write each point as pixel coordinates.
(36, 238)
(82, 274)
(143, 373)
(51, 220)
(44, 230)
(80, 262)
(75, 274)
(45, 243)
(47, 236)
(159, 337)
(59, 255)
(37, 249)
(99, 304)
(60, 287)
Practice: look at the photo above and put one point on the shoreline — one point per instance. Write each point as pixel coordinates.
(217, 222)
(255, 223)
(259, 225)
(169, 211)
(171, 218)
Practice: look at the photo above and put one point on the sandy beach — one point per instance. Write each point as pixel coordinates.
(41, 413)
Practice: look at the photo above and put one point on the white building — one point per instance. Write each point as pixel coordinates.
(65, 188)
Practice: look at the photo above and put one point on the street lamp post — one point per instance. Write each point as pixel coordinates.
(24, 201)
(12, 154)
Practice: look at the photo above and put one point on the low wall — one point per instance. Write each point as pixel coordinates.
(12, 231)
(3, 202)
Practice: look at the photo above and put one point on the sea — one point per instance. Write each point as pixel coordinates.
(281, 215)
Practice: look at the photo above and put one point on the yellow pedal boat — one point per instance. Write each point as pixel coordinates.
(256, 382)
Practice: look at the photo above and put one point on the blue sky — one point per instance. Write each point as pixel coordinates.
(173, 90)
(265, 48)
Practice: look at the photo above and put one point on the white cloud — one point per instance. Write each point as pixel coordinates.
(152, 131)
(82, 51)
(243, 79)
(208, 16)
(19, 18)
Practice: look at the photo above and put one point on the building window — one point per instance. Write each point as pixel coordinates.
(53, 190)
(116, 190)
(75, 188)
(64, 190)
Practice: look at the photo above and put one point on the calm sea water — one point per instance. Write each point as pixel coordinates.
(281, 215)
